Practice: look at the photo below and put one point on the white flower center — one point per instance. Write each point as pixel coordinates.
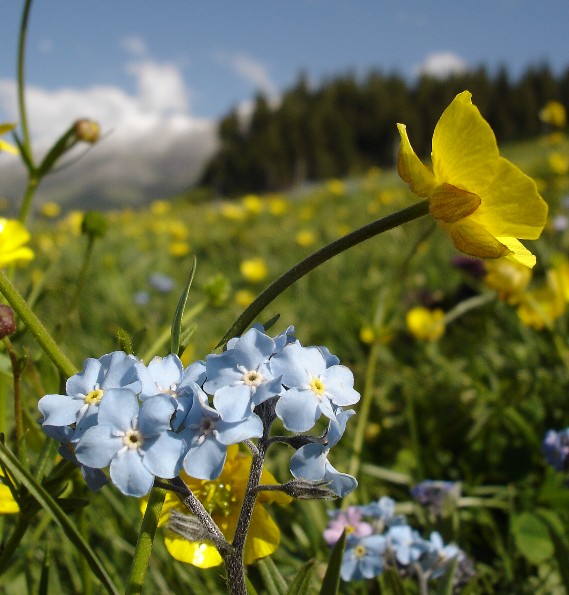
(252, 378)
(133, 439)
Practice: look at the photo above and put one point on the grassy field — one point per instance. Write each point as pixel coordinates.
(471, 406)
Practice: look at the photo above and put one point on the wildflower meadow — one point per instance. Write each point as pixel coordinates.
(356, 386)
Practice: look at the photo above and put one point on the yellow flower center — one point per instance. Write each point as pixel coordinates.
(94, 397)
(360, 551)
(217, 498)
(317, 386)
(133, 439)
(349, 529)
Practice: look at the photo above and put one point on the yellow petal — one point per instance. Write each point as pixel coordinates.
(8, 148)
(200, 554)
(449, 203)
(473, 239)
(465, 151)
(4, 128)
(511, 205)
(264, 536)
(518, 252)
(7, 503)
(19, 255)
(411, 169)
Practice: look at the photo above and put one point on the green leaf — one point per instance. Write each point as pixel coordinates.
(179, 313)
(394, 584)
(331, 580)
(445, 586)
(301, 582)
(532, 537)
(273, 579)
(250, 588)
(124, 341)
(43, 498)
(555, 528)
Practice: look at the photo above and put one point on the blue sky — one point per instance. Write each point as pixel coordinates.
(159, 72)
(225, 49)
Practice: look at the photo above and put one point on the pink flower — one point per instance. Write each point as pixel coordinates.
(348, 521)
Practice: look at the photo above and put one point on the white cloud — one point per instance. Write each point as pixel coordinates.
(441, 65)
(151, 142)
(251, 69)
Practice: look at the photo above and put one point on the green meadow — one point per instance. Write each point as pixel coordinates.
(471, 406)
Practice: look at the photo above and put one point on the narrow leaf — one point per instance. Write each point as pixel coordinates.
(445, 586)
(273, 579)
(331, 580)
(179, 313)
(301, 582)
(250, 588)
(38, 492)
(393, 582)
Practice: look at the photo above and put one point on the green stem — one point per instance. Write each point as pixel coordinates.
(33, 183)
(145, 540)
(35, 326)
(21, 79)
(319, 257)
(9, 547)
(364, 409)
(461, 308)
(20, 449)
(414, 433)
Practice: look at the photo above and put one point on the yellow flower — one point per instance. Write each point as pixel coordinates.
(222, 498)
(540, 307)
(13, 236)
(179, 249)
(558, 163)
(553, 113)
(367, 335)
(305, 238)
(253, 204)
(336, 187)
(278, 205)
(243, 297)
(50, 210)
(160, 207)
(5, 146)
(254, 269)
(509, 278)
(233, 212)
(7, 503)
(481, 199)
(425, 324)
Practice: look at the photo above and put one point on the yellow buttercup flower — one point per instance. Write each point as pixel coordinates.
(243, 297)
(50, 210)
(5, 146)
(222, 498)
(553, 113)
(254, 269)
(13, 236)
(7, 503)
(540, 307)
(482, 200)
(509, 278)
(425, 324)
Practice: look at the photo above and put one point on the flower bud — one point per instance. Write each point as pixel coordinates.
(87, 130)
(7, 321)
(94, 224)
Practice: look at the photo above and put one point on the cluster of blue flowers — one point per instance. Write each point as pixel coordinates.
(555, 449)
(146, 422)
(378, 538)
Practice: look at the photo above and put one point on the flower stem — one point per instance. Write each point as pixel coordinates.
(319, 257)
(143, 549)
(35, 326)
(21, 78)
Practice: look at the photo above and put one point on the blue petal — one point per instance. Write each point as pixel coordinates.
(233, 403)
(120, 371)
(85, 381)
(340, 385)
(119, 408)
(337, 426)
(341, 484)
(98, 446)
(232, 433)
(195, 372)
(206, 460)
(221, 371)
(253, 348)
(163, 456)
(130, 475)
(155, 415)
(59, 410)
(298, 410)
(309, 462)
(297, 364)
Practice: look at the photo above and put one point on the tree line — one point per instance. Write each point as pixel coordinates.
(347, 124)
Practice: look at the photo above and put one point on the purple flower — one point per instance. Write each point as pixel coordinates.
(555, 448)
